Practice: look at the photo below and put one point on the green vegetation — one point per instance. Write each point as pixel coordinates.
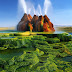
(36, 53)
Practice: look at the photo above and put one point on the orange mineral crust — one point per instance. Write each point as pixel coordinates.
(36, 24)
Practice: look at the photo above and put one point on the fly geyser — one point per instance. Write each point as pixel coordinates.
(35, 24)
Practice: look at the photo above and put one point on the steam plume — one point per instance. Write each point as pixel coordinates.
(39, 9)
(28, 7)
(23, 3)
(29, 10)
(47, 4)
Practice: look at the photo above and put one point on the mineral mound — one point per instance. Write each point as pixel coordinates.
(36, 24)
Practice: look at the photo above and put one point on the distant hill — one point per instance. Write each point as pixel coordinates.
(64, 28)
(7, 28)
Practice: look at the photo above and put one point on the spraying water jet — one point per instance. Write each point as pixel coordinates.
(28, 6)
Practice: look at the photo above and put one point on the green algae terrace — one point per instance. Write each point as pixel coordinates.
(35, 52)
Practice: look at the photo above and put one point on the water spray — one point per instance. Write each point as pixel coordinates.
(38, 11)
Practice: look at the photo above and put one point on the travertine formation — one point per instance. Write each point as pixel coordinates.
(38, 24)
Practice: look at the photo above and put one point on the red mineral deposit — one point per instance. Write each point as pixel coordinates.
(36, 24)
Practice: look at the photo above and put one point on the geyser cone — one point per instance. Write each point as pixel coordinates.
(39, 24)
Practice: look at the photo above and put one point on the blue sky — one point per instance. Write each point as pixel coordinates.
(61, 13)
